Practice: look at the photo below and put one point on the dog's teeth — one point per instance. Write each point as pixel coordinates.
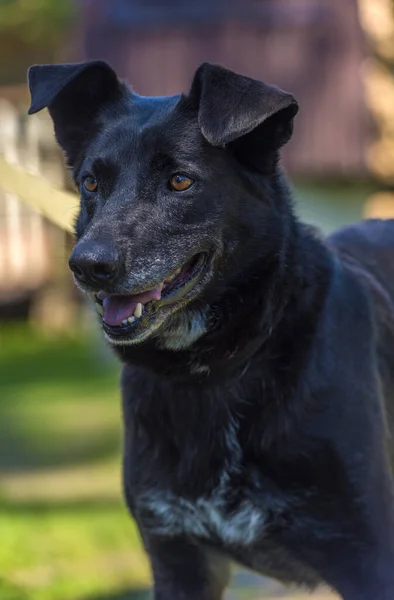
(138, 310)
(131, 319)
(172, 277)
(124, 322)
(99, 308)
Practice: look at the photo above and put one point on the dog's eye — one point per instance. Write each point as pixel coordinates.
(90, 184)
(180, 183)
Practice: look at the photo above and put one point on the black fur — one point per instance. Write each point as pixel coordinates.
(281, 402)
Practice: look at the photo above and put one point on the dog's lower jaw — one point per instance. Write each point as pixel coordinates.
(184, 328)
(179, 332)
(170, 319)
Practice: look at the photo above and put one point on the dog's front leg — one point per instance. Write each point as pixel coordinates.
(184, 570)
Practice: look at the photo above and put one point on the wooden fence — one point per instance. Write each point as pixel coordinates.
(36, 211)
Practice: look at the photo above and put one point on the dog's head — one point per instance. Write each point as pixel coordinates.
(174, 190)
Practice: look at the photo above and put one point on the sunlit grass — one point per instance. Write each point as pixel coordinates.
(71, 551)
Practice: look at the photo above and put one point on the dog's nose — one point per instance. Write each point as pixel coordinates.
(95, 263)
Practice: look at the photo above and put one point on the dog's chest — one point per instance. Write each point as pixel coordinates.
(235, 517)
(235, 511)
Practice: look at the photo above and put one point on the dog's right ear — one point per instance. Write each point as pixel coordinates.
(74, 95)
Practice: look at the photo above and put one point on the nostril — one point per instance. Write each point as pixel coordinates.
(77, 270)
(103, 270)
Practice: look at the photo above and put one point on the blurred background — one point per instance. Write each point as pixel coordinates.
(65, 534)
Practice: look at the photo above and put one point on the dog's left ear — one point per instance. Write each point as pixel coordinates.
(74, 95)
(231, 106)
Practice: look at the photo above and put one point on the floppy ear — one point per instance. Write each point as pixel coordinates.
(74, 95)
(231, 106)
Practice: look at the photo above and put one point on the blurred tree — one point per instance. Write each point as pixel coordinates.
(377, 19)
(31, 31)
(35, 21)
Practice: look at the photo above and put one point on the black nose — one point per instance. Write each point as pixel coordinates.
(95, 263)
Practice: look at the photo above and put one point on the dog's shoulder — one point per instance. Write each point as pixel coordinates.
(370, 233)
(367, 248)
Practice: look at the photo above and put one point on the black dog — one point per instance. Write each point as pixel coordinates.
(257, 357)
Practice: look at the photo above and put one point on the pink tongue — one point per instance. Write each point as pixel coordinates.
(118, 308)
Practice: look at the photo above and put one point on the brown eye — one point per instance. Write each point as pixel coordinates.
(180, 183)
(90, 184)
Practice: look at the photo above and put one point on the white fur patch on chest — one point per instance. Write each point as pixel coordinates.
(211, 517)
(206, 517)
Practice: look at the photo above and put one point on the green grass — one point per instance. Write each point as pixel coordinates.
(69, 552)
(64, 531)
(59, 403)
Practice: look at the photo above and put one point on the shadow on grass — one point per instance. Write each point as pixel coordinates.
(126, 595)
(23, 449)
(10, 591)
(35, 508)
(27, 358)
(49, 389)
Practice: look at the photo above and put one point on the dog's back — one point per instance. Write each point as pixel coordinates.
(368, 249)
(370, 243)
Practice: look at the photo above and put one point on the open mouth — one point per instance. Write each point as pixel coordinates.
(130, 317)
